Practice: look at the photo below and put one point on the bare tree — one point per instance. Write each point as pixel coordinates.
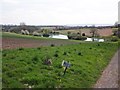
(93, 32)
(23, 25)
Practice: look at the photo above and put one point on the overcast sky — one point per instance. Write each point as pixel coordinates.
(59, 12)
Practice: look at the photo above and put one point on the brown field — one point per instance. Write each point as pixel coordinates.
(101, 32)
(11, 43)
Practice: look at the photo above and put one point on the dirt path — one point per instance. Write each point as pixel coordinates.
(109, 78)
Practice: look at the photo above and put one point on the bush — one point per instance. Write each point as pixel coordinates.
(90, 48)
(46, 35)
(64, 53)
(21, 49)
(77, 37)
(4, 54)
(83, 34)
(98, 44)
(56, 55)
(114, 39)
(35, 59)
(52, 45)
(79, 53)
(81, 38)
(56, 51)
(38, 48)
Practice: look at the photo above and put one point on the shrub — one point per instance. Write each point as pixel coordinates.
(4, 54)
(46, 35)
(56, 55)
(39, 48)
(69, 52)
(114, 38)
(35, 59)
(77, 37)
(79, 53)
(56, 51)
(90, 48)
(98, 44)
(83, 34)
(52, 45)
(64, 53)
(21, 48)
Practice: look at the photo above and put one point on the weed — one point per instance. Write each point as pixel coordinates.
(79, 53)
(55, 55)
(39, 48)
(35, 59)
(90, 48)
(21, 49)
(98, 44)
(4, 54)
(52, 45)
(64, 53)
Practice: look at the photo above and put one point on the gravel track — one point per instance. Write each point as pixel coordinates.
(109, 78)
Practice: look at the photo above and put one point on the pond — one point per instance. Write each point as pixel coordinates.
(95, 39)
(60, 36)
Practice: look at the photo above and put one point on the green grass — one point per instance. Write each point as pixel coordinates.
(24, 67)
(14, 35)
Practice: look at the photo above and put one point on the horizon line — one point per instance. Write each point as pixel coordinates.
(62, 24)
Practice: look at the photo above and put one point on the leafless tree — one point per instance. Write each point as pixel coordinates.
(94, 32)
(23, 25)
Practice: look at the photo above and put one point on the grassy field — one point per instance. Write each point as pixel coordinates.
(23, 68)
(14, 35)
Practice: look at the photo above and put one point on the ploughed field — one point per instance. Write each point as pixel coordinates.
(12, 41)
(101, 32)
(27, 67)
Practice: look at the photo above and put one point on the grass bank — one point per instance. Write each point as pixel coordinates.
(23, 68)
